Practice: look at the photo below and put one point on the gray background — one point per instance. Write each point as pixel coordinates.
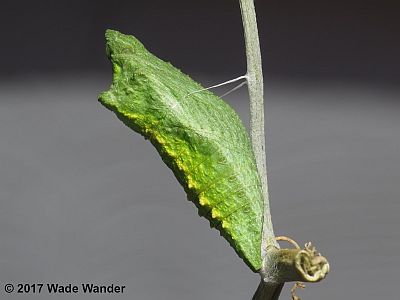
(84, 199)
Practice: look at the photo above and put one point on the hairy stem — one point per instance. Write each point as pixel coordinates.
(256, 95)
(279, 265)
(270, 291)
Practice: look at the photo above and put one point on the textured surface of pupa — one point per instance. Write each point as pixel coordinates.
(198, 136)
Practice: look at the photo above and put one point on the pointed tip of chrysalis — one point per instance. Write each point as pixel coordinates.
(119, 43)
(123, 51)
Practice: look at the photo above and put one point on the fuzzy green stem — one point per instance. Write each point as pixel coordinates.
(256, 95)
(279, 265)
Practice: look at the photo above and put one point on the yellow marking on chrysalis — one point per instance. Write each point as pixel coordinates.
(203, 201)
(215, 214)
(160, 139)
(116, 69)
(180, 164)
(225, 225)
(192, 184)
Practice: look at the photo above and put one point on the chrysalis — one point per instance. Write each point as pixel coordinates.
(199, 136)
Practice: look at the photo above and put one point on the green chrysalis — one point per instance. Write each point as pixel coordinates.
(199, 137)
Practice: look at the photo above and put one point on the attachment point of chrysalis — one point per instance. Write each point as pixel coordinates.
(222, 84)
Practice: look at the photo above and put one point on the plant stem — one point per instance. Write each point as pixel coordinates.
(285, 265)
(268, 291)
(256, 95)
(279, 265)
